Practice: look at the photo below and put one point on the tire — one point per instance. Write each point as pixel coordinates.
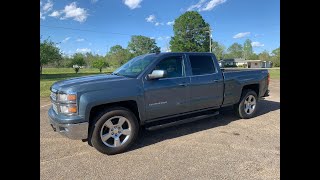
(246, 108)
(117, 137)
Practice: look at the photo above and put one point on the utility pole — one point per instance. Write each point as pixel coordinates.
(210, 34)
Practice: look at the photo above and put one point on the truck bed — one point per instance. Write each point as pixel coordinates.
(235, 79)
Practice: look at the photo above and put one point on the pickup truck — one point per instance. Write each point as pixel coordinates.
(151, 91)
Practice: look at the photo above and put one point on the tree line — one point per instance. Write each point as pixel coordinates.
(191, 34)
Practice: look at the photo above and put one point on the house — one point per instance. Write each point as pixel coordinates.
(236, 62)
(259, 64)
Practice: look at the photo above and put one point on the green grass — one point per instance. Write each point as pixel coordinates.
(51, 75)
(274, 73)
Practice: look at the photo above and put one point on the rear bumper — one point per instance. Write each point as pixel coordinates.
(70, 130)
(266, 94)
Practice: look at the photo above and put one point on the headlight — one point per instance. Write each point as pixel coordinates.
(67, 97)
(69, 109)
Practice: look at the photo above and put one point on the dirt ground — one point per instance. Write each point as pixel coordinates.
(222, 147)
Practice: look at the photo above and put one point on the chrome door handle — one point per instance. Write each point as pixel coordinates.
(183, 84)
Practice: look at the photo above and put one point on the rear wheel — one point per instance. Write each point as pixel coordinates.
(114, 131)
(247, 106)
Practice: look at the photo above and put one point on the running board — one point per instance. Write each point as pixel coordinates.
(181, 121)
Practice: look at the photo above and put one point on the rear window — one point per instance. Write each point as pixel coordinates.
(201, 65)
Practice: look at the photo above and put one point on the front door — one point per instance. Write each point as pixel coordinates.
(169, 95)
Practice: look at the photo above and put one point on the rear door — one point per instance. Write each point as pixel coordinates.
(167, 96)
(206, 82)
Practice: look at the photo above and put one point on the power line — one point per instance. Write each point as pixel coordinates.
(85, 30)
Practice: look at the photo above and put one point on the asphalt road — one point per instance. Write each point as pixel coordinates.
(223, 147)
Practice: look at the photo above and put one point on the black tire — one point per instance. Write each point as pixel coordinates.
(240, 106)
(99, 121)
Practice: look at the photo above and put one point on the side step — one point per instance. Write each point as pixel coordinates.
(180, 121)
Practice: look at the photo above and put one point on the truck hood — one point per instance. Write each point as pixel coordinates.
(87, 82)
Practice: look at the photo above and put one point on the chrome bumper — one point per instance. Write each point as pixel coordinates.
(72, 131)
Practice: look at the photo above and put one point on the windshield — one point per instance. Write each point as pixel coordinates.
(135, 66)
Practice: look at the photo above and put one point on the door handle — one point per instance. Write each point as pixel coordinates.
(215, 81)
(183, 84)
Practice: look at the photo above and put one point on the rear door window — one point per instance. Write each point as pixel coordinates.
(202, 64)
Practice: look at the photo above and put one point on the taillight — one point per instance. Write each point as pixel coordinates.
(268, 79)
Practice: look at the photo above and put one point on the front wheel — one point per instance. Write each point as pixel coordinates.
(247, 106)
(114, 131)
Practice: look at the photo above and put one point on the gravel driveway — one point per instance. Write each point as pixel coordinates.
(223, 147)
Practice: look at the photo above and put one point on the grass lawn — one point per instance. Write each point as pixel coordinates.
(51, 75)
(274, 73)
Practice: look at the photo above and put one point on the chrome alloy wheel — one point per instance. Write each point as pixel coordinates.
(115, 131)
(250, 104)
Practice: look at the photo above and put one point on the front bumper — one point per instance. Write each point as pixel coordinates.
(70, 130)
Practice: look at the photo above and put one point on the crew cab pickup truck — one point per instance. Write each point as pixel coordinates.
(151, 91)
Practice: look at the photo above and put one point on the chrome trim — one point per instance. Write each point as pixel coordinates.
(72, 131)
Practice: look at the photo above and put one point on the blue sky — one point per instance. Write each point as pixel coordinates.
(96, 25)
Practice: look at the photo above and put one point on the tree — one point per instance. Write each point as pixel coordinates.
(218, 50)
(264, 55)
(49, 53)
(253, 56)
(142, 45)
(99, 63)
(77, 61)
(117, 55)
(190, 33)
(235, 51)
(247, 49)
(276, 57)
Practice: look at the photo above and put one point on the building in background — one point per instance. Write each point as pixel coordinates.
(259, 64)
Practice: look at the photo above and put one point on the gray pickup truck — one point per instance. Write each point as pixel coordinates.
(151, 91)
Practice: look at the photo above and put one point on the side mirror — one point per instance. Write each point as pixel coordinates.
(157, 74)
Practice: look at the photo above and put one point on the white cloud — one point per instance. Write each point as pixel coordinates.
(157, 24)
(152, 37)
(258, 35)
(83, 50)
(160, 38)
(257, 44)
(241, 35)
(211, 4)
(74, 12)
(170, 23)
(42, 16)
(80, 39)
(94, 1)
(165, 49)
(196, 6)
(132, 4)
(47, 6)
(167, 37)
(151, 18)
(55, 14)
(66, 39)
(204, 5)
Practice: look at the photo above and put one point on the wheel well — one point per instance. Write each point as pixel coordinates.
(254, 87)
(131, 105)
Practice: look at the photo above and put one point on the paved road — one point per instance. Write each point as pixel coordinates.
(223, 147)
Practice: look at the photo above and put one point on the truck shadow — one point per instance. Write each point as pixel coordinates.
(226, 116)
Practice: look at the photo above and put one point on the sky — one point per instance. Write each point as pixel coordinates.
(96, 25)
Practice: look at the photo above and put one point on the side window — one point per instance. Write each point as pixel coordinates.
(201, 64)
(173, 66)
